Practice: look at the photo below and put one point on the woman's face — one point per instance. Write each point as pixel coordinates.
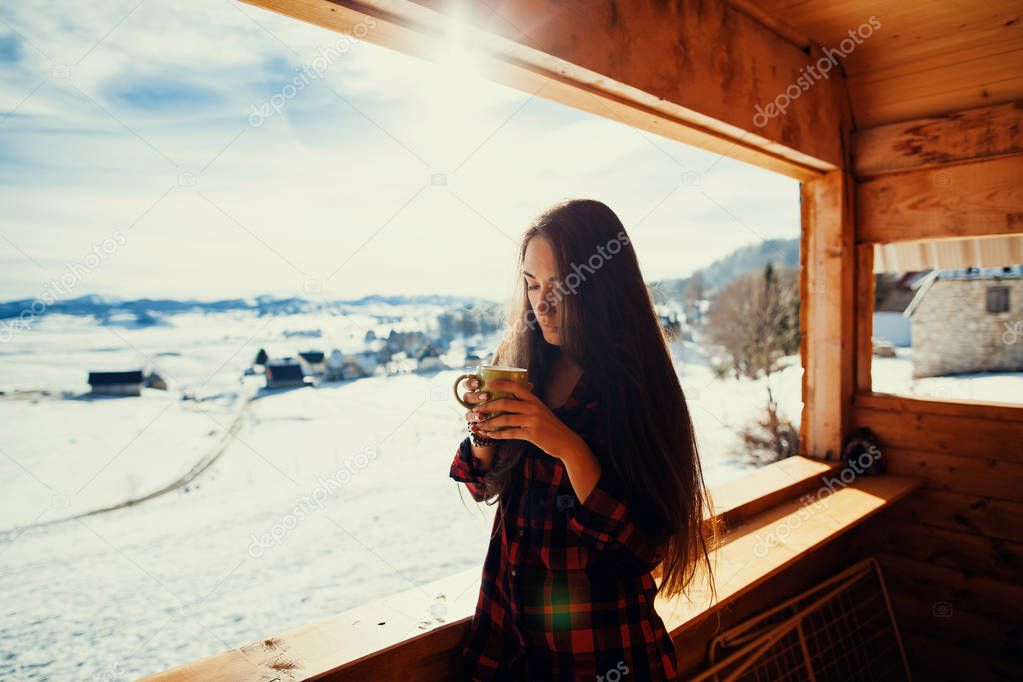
(541, 277)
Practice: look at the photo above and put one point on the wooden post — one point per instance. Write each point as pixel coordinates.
(827, 314)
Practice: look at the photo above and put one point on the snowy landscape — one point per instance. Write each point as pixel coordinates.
(349, 478)
(259, 510)
(209, 509)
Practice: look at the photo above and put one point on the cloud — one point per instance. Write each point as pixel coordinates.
(165, 96)
(136, 117)
(10, 48)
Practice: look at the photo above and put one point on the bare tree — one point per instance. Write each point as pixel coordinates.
(756, 319)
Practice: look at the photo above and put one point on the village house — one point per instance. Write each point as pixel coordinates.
(284, 373)
(893, 294)
(341, 367)
(429, 359)
(117, 383)
(314, 362)
(967, 320)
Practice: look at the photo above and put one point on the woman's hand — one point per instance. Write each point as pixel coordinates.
(474, 397)
(530, 420)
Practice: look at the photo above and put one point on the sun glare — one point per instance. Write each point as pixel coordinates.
(457, 82)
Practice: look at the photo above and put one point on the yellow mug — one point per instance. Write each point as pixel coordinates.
(485, 373)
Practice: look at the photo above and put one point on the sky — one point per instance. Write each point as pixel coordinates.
(157, 150)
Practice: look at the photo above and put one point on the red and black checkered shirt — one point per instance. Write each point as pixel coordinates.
(567, 591)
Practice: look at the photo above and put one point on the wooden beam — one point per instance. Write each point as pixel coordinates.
(975, 515)
(692, 72)
(964, 436)
(864, 355)
(828, 323)
(1010, 415)
(766, 18)
(991, 477)
(973, 199)
(778, 538)
(966, 551)
(970, 135)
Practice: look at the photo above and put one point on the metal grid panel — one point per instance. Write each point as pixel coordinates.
(841, 630)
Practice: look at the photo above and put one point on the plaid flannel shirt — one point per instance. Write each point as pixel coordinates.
(567, 591)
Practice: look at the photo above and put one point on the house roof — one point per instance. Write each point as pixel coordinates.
(979, 274)
(948, 254)
(283, 371)
(107, 378)
(1007, 272)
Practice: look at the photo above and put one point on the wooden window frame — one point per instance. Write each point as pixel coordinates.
(913, 179)
(765, 496)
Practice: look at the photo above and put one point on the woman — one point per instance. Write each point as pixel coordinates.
(597, 478)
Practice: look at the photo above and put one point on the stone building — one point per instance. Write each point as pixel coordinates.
(968, 320)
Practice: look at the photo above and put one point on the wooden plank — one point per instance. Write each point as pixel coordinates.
(973, 514)
(378, 641)
(780, 537)
(964, 55)
(367, 632)
(938, 660)
(924, 593)
(608, 59)
(972, 554)
(984, 635)
(864, 315)
(964, 200)
(986, 132)
(758, 14)
(745, 497)
(1010, 415)
(991, 477)
(955, 435)
(829, 319)
(724, 62)
(952, 53)
(977, 594)
(806, 381)
(891, 103)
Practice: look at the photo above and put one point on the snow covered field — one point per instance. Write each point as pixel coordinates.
(325, 498)
(895, 375)
(322, 498)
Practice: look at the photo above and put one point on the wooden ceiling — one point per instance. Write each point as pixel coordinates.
(927, 57)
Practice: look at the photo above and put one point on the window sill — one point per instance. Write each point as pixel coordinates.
(771, 527)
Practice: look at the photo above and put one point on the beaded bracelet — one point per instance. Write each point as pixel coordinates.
(479, 440)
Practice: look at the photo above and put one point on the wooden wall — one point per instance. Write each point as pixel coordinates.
(921, 58)
(953, 551)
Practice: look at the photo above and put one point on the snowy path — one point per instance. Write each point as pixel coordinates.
(204, 463)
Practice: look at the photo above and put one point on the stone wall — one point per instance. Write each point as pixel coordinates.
(952, 332)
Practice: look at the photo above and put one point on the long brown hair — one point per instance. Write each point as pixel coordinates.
(609, 326)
